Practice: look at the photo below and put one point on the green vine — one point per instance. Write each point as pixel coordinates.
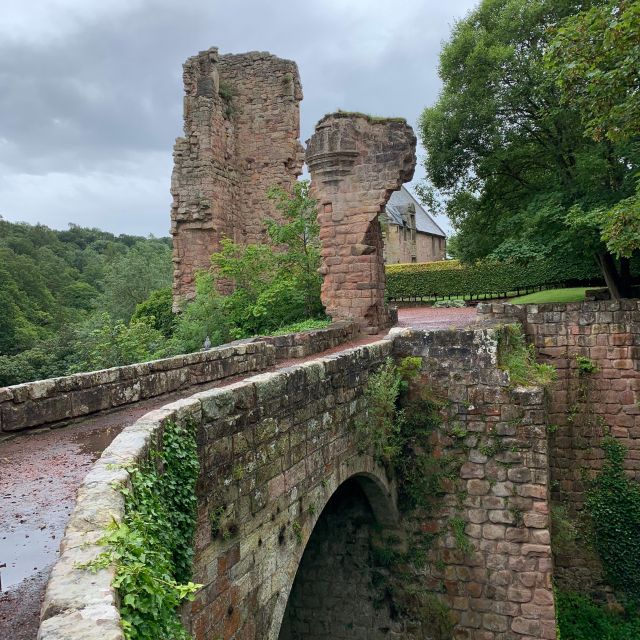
(613, 503)
(399, 430)
(152, 547)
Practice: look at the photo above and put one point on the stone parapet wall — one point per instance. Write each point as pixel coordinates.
(57, 401)
(584, 406)
(497, 576)
(306, 343)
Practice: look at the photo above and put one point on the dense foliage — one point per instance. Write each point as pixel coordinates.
(63, 292)
(508, 150)
(613, 504)
(153, 546)
(579, 618)
(82, 299)
(486, 277)
(273, 285)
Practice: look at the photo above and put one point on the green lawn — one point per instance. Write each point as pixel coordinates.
(574, 294)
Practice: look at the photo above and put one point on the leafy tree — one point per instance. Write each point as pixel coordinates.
(112, 343)
(596, 56)
(132, 277)
(51, 284)
(300, 235)
(506, 158)
(204, 317)
(272, 285)
(158, 309)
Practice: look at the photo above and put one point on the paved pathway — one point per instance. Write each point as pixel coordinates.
(40, 473)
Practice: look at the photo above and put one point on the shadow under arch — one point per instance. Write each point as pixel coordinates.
(375, 495)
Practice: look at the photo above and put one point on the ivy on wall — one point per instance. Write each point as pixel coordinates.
(613, 504)
(152, 547)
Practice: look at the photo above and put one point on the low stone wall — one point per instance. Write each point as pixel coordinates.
(57, 401)
(583, 405)
(306, 343)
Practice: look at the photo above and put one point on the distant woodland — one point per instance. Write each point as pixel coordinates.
(68, 297)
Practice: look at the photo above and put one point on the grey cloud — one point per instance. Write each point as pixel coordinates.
(100, 104)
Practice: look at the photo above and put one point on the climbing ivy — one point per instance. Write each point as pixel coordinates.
(579, 618)
(613, 503)
(399, 429)
(152, 548)
(379, 429)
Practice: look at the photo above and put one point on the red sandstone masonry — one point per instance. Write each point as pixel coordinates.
(503, 587)
(355, 163)
(241, 131)
(608, 333)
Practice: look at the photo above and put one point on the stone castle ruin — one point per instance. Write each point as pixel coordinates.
(241, 130)
(241, 136)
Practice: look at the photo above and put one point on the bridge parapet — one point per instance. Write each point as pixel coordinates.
(57, 401)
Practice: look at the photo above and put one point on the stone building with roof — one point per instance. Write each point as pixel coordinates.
(410, 233)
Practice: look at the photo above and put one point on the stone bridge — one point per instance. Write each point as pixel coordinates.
(295, 516)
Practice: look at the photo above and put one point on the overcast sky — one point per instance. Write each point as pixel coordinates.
(91, 91)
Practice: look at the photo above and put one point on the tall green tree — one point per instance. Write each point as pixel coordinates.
(506, 157)
(131, 278)
(272, 285)
(594, 58)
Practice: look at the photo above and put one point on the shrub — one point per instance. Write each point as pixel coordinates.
(519, 359)
(452, 278)
(158, 307)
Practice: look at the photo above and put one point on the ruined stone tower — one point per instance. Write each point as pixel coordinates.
(356, 161)
(241, 136)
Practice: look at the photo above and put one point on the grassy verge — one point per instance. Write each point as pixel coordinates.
(572, 294)
(304, 325)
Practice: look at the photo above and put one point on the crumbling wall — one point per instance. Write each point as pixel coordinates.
(356, 162)
(241, 130)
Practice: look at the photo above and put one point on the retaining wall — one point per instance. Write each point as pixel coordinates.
(584, 406)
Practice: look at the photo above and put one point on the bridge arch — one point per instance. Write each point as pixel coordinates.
(359, 501)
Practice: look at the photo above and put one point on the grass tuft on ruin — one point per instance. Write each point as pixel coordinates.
(519, 359)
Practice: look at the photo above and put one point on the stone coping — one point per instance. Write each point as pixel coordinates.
(505, 308)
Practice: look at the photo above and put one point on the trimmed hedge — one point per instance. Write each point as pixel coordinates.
(449, 278)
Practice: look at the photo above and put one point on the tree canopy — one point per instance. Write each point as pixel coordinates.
(508, 153)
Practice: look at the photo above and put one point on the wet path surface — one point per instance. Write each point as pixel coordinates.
(40, 474)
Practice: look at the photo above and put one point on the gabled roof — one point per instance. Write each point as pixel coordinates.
(398, 204)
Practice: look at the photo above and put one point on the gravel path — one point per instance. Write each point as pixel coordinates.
(40, 474)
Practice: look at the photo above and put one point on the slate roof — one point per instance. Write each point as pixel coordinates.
(398, 204)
